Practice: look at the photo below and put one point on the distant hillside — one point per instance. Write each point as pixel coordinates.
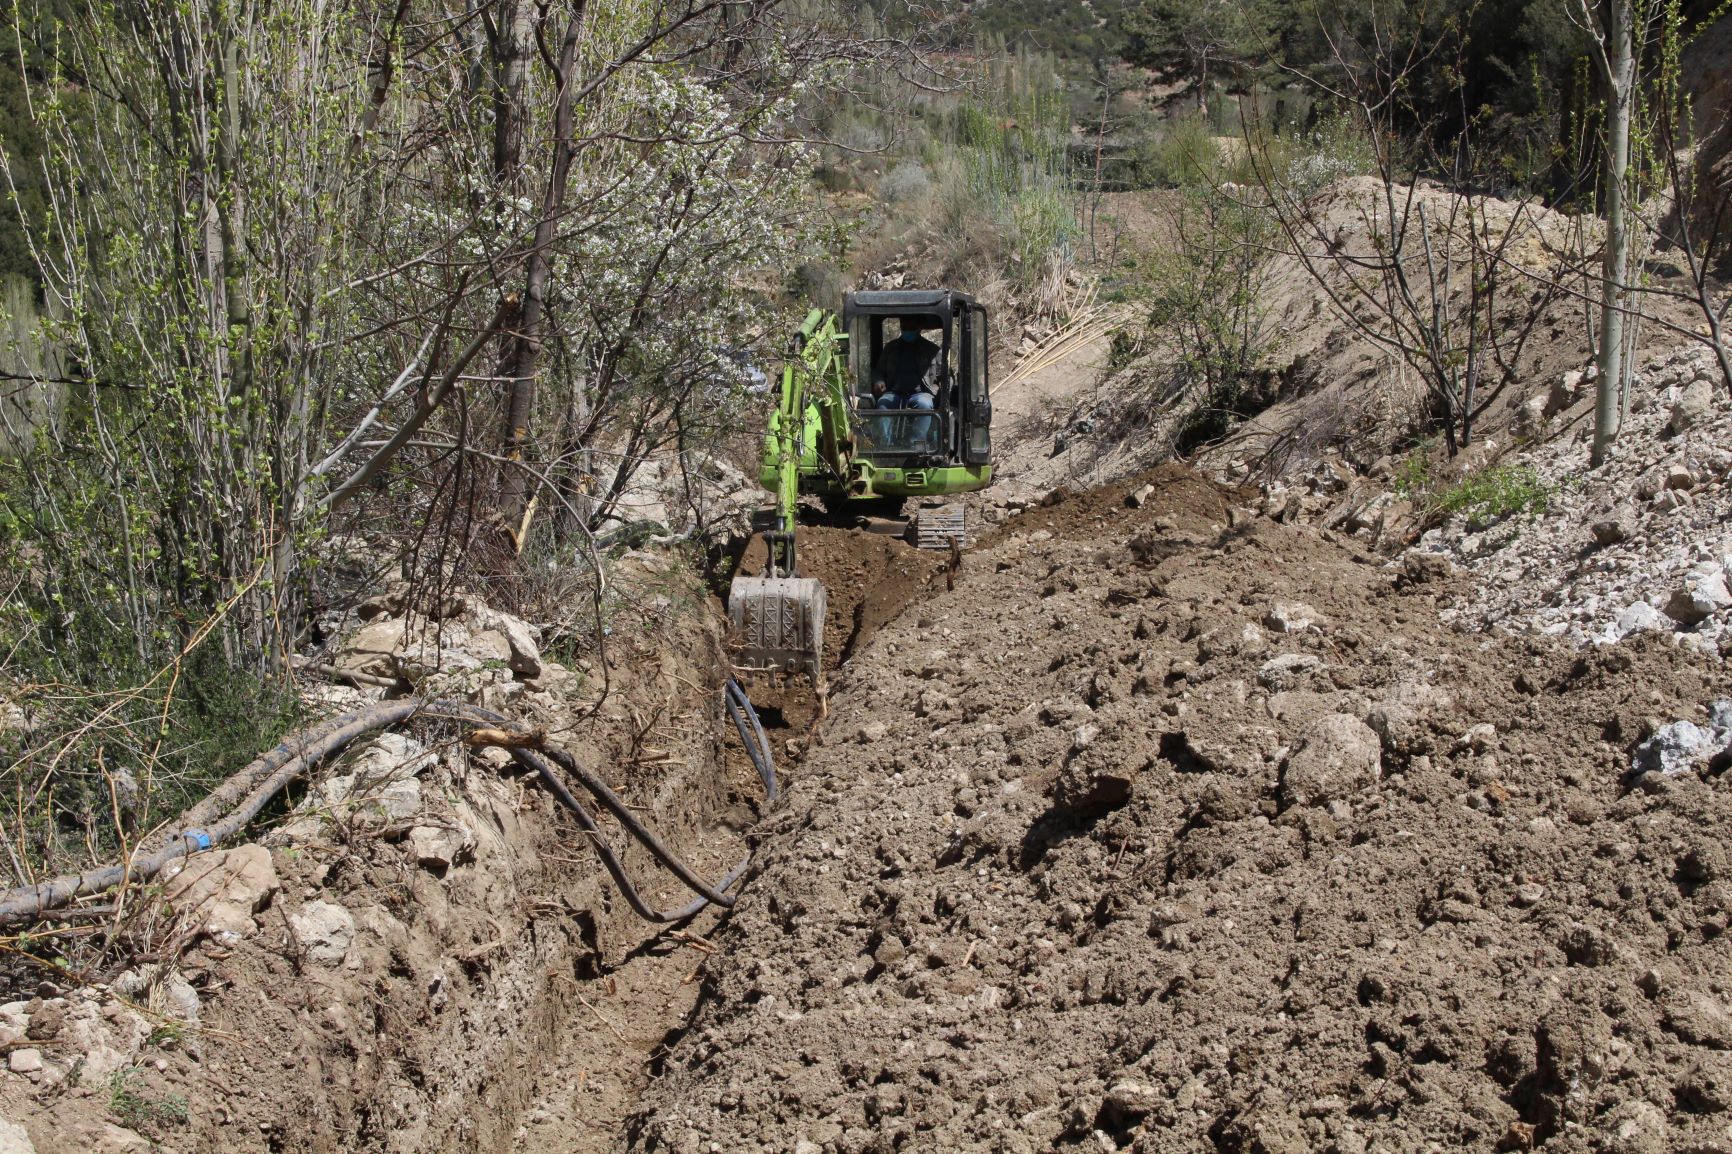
(1084, 31)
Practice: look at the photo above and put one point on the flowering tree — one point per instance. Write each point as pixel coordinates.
(371, 267)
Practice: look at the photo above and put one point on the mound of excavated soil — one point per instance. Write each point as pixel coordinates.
(1174, 830)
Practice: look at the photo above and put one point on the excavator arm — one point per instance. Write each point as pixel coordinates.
(778, 616)
(810, 427)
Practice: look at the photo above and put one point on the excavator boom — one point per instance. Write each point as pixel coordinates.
(778, 616)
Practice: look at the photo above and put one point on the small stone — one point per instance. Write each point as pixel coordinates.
(1565, 391)
(1699, 1019)
(1679, 478)
(1290, 617)
(45, 1023)
(1695, 405)
(1336, 757)
(872, 732)
(1674, 749)
(1128, 1103)
(1529, 894)
(1288, 669)
(1640, 618)
(222, 891)
(1084, 737)
(324, 931)
(1613, 529)
(27, 1061)
(1479, 738)
(1638, 1127)
(14, 1139)
(438, 847)
(1418, 567)
(1700, 599)
(1139, 496)
(525, 659)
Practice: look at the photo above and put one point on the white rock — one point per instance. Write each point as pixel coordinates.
(438, 847)
(223, 890)
(1290, 617)
(14, 1139)
(1676, 748)
(324, 931)
(525, 657)
(1640, 618)
(1695, 405)
(27, 1061)
(1701, 598)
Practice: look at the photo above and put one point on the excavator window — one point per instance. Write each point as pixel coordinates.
(902, 418)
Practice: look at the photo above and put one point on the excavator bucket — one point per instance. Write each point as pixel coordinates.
(779, 624)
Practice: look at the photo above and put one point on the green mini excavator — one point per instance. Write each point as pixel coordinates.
(853, 431)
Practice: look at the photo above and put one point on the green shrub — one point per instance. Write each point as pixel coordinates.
(1412, 480)
(1208, 314)
(1493, 494)
(1184, 154)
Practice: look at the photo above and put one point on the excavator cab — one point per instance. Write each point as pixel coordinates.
(957, 429)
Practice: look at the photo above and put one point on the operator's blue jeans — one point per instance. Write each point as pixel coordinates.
(921, 429)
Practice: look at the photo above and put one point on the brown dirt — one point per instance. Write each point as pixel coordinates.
(513, 1003)
(869, 579)
(1063, 872)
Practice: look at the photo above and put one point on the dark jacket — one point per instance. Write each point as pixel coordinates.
(907, 367)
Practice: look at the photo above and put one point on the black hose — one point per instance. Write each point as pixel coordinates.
(241, 797)
(758, 751)
(247, 792)
(757, 748)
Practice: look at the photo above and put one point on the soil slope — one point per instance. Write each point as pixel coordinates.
(1174, 829)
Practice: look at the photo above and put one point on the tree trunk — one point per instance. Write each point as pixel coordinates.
(1620, 93)
(523, 352)
(513, 44)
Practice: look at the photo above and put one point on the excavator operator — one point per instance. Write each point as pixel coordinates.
(906, 376)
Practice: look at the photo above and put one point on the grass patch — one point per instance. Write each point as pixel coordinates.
(137, 1110)
(1494, 493)
(1483, 498)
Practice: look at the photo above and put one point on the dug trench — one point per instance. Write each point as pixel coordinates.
(1161, 828)
(500, 996)
(370, 994)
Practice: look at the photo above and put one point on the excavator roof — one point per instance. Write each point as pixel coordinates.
(895, 300)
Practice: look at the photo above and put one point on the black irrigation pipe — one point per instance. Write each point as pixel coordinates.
(243, 795)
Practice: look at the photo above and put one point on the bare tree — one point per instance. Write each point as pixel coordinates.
(1423, 273)
(1613, 36)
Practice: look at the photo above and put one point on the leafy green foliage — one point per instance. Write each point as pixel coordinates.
(1494, 493)
(1483, 497)
(1070, 30)
(1206, 309)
